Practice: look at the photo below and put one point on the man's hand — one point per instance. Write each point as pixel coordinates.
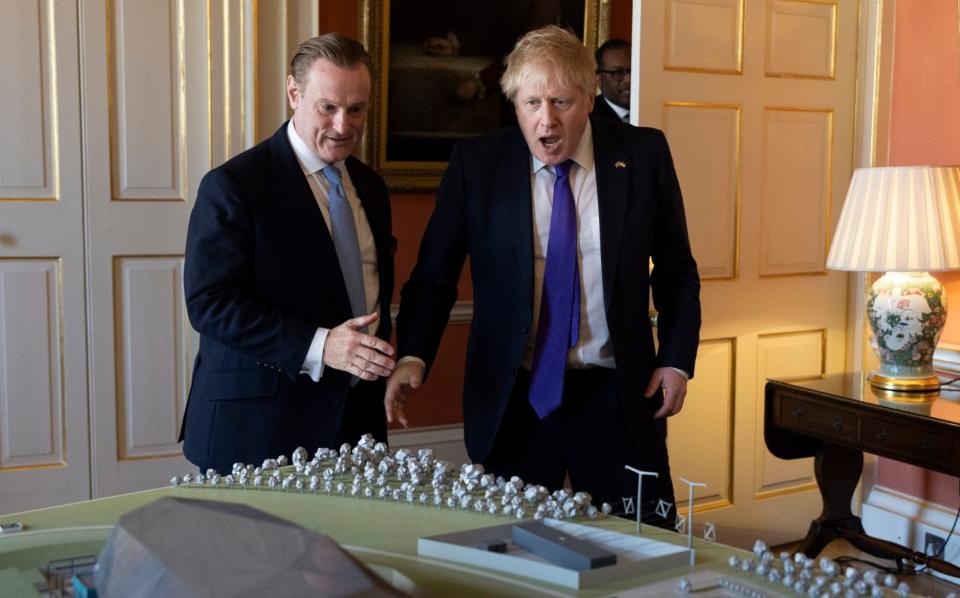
(674, 387)
(403, 381)
(363, 355)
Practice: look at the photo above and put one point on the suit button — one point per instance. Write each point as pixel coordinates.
(525, 328)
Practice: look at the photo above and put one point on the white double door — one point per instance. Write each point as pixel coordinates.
(112, 111)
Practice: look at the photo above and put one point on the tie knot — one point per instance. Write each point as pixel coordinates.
(563, 169)
(332, 173)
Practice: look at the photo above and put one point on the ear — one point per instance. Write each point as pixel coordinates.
(591, 98)
(293, 92)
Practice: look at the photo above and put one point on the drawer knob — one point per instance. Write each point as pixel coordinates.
(797, 412)
(837, 423)
(882, 434)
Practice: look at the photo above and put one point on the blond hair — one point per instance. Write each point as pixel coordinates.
(342, 51)
(549, 55)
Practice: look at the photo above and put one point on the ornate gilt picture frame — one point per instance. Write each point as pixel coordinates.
(438, 66)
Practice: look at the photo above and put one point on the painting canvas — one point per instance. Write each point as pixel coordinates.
(438, 69)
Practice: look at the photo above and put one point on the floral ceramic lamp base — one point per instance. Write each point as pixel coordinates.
(907, 311)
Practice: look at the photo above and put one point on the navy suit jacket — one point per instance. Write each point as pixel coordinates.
(484, 210)
(260, 276)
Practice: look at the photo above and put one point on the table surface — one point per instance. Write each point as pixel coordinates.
(855, 387)
(379, 533)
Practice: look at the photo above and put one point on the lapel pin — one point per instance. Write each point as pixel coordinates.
(620, 164)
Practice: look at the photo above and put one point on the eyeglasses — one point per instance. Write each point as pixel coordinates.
(615, 74)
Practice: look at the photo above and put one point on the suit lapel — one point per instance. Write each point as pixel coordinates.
(512, 195)
(295, 199)
(613, 168)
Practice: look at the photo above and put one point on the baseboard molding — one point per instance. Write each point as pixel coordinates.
(906, 520)
(446, 441)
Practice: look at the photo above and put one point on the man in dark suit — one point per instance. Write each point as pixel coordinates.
(289, 262)
(560, 217)
(613, 77)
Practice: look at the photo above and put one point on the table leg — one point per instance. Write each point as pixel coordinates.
(837, 470)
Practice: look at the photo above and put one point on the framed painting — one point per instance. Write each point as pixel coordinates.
(438, 71)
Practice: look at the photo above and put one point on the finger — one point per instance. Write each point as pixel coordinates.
(379, 359)
(678, 402)
(390, 395)
(361, 373)
(667, 407)
(372, 366)
(361, 321)
(388, 407)
(377, 370)
(653, 385)
(376, 344)
(401, 414)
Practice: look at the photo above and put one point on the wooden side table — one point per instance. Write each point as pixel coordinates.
(835, 419)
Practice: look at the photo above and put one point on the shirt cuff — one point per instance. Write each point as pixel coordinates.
(409, 358)
(681, 372)
(313, 363)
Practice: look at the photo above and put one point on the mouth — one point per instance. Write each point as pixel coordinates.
(550, 142)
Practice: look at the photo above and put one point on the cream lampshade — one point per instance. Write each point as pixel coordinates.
(905, 221)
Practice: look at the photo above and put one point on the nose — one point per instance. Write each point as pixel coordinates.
(548, 115)
(340, 121)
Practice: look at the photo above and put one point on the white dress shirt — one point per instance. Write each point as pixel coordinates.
(623, 113)
(594, 347)
(311, 164)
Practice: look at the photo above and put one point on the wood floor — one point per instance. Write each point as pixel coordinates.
(921, 584)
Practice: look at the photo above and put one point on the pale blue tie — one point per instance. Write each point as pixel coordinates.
(345, 240)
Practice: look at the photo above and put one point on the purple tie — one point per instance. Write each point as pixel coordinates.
(559, 326)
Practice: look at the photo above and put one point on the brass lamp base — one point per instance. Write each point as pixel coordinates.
(923, 384)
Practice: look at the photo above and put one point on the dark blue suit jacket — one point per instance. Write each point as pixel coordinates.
(484, 210)
(602, 108)
(261, 274)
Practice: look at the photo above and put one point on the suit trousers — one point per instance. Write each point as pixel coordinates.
(585, 438)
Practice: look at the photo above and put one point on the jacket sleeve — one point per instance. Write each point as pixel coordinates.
(220, 282)
(427, 298)
(675, 280)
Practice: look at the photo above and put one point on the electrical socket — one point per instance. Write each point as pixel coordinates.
(933, 544)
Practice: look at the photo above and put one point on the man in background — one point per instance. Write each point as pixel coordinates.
(289, 275)
(613, 78)
(560, 216)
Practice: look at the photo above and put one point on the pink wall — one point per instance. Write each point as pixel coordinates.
(925, 129)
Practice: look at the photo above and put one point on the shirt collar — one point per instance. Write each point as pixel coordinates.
(583, 155)
(309, 161)
(621, 112)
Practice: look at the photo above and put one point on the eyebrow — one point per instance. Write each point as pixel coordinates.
(360, 104)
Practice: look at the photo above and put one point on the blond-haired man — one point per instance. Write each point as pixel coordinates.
(560, 216)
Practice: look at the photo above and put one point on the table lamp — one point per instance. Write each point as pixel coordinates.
(905, 221)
